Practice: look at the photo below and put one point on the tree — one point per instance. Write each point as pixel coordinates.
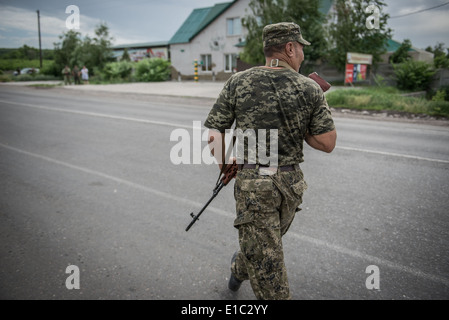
(125, 56)
(92, 52)
(351, 33)
(102, 52)
(303, 12)
(441, 58)
(28, 53)
(401, 55)
(64, 50)
(84, 54)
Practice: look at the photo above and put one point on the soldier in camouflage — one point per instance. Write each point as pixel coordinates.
(278, 99)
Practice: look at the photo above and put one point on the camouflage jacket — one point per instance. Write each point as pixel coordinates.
(281, 99)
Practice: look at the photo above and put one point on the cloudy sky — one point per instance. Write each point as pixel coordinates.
(133, 21)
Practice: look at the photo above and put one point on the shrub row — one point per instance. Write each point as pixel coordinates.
(379, 99)
(147, 70)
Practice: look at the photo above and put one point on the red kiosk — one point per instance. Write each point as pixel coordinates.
(357, 67)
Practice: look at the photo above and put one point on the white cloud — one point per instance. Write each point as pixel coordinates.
(13, 20)
(25, 20)
(409, 10)
(136, 21)
(424, 29)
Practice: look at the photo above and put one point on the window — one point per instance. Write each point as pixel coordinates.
(230, 62)
(206, 62)
(234, 27)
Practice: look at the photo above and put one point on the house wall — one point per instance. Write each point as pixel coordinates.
(212, 40)
(417, 55)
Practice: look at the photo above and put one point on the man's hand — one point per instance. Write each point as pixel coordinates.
(217, 146)
(231, 171)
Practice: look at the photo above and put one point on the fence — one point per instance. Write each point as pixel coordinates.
(385, 70)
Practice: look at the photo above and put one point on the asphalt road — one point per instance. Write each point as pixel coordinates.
(87, 180)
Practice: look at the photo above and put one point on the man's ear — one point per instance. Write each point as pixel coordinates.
(290, 49)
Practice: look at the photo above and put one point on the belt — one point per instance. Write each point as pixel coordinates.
(288, 168)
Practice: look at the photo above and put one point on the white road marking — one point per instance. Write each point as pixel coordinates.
(370, 258)
(316, 242)
(99, 115)
(174, 125)
(392, 154)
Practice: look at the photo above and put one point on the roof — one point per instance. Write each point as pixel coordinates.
(393, 46)
(141, 45)
(198, 20)
(325, 6)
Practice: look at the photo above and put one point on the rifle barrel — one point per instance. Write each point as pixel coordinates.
(216, 191)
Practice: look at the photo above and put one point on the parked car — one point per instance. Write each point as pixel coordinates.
(27, 71)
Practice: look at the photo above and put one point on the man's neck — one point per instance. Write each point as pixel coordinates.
(278, 63)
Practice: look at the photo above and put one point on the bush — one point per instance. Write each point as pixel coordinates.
(5, 78)
(51, 69)
(155, 69)
(441, 62)
(118, 70)
(36, 77)
(414, 75)
(446, 91)
(439, 96)
(385, 100)
(380, 81)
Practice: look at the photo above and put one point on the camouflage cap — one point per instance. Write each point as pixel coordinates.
(280, 33)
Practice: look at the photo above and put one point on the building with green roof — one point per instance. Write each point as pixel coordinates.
(211, 36)
(215, 37)
(416, 54)
(198, 20)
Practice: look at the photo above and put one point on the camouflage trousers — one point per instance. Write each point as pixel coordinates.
(67, 80)
(266, 207)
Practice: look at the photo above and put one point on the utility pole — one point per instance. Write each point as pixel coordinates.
(39, 30)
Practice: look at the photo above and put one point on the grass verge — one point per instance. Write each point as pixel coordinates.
(386, 99)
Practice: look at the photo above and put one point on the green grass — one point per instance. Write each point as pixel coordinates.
(27, 77)
(385, 99)
(13, 64)
(45, 86)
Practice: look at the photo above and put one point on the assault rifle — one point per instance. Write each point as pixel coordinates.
(229, 172)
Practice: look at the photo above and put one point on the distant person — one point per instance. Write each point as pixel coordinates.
(85, 75)
(66, 73)
(76, 75)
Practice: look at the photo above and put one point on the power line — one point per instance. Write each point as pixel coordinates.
(408, 14)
